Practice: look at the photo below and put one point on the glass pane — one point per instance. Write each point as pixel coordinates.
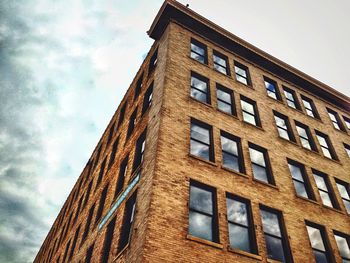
(302, 132)
(200, 226)
(332, 117)
(225, 107)
(320, 182)
(343, 191)
(343, 246)
(241, 71)
(347, 151)
(307, 104)
(239, 237)
(249, 118)
(274, 248)
(222, 95)
(310, 113)
(270, 86)
(198, 57)
(300, 189)
(272, 94)
(291, 104)
(229, 145)
(283, 134)
(247, 107)
(199, 133)
(270, 223)
(230, 161)
(242, 80)
(280, 122)
(296, 172)
(201, 200)
(326, 199)
(237, 212)
(320, 257)
(305, 143)
(347, 205)
(198, 95)
(199, 84)
(289, 95)
(220, 61)
(260, 173)
(200, 150)
(322, 141)
(347, 123)
(257, 157)
(326, 152)
(197, 49)
(315, 238)
(220, 69)
(336, 125)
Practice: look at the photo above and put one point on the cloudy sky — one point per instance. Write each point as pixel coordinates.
(65, 65)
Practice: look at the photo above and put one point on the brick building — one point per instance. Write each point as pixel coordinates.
(218, 152)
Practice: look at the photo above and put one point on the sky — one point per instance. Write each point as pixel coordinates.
(65, 66)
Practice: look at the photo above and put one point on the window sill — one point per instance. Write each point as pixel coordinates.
(223, 74)
(312, 151)
(201, 102)
(307, 199)
(266, 184)
(205, 242)
(276, 100)
(228, 114)
(233, 171)
(332, 160)
(333, 209)
(120, 253)
(341, 131)
(296, 110)
(269, 260)
(200, 63)
(244, 253)
(203, 160)
(289, 141)
(252, 125)
(244, 85)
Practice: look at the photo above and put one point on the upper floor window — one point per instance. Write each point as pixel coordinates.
(260, 164)
(343, 243)
(275, 237)
(122, 114)
(113, 153)
(305, 136)
(326, 145)
(89, 253)
(291, 97)
(140, 149)
(310, 107)
(199, 51)
(347, 122)
(87, 225)
(121, 176)
(319, 244)
(283, 126)
(250, 111)
(344, 191)
(347, 149)
(300, 180)
(225, 100)
(132, 122)
(335, 120)
(272, 89)
(202, 212)
(201, 140)
(242, 73)
(147, 101)
(102, 204)
(232, 156)
(324, 189)
(138, 87)
(108, 240)
(221, 63)
(110, 134)
(200, 88)
(153, 61)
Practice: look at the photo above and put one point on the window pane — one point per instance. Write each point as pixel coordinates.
(302, 132)
(347, 205)
(249, 118)
(315, 238)
(239, 237)
(310, 113)
(198, 95)
(343, 191)
(320, 257)
(270, 223)
(199, 149)
(274, 248)
(305, 143)
(300, 189)
(220, 61)
(220, 69)
(326, 152)
(197, 57)
(343, 246)
(225, 96)
(296, 172)
(229, 145)
(197, 49)
(326, 200)
(270, 86)
(291, 104)
(322, 141)
(307, 104)
(199, 133)
(199, 84)
(260, 173)
(289, 95)
(200, 226)
(230, 161)
(225, 107)
(241, 71)
(247, 107)
(242, 80)
(257, 157)
(237, 212)
(201, 200)
(272, 94)
(320, 182)
(280, 122)
(283, 134)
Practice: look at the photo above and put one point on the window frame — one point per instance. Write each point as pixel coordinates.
(347, 122)
(239, 156)
(147, 100)
(122, 115)
(337, 123)
(347, 149)
(329, 147)
(202, 46)
(256, 111)
(153, 61)
(313, 108)
(223, 57)
(132, 123)
(275, 85)
(347, 239)
(138, 87)
(288, 129)
(123, 169)
(268, 169)
(113, 152)
(309, 139)
(330, 190)
(139, 150)
(347, 188)
(108, 240)
(295, 100)
(211, 146)
(202, 79)
(246, 69)
(232, 97)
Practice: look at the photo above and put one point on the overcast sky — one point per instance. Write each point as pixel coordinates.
(65, 65)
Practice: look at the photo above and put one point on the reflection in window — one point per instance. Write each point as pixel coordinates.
(225, 100)
(202, 214)
(305, 136)
(121, 176)
(347, 149)
(199, 51)
(309, 107)
(249, 111)
(343, 243)
(335, 120)
(291, 97)
(260, 164)
(138, 87)
(301, 184)
(201, 140)
(139, 151)
(347, 122)
(242, 73)
(283, 127)
(326, 145)
(153, 61)
(220, 63)
(272, 89)
(324, 189)
(317, 239)
(200, 88)
(132, 122)
(344, 191)
(232, 156)
(147, 101)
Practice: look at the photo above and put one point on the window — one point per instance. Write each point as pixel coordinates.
(199, 51)
(347, 122)
(260, 164)
(201, 140)
(344, 191)
(102, 204)
(75, 239)
(240, 224)
(221, 63)
(132, 122)
(140, 149)
(232, 156)
(89, 254)
(347, 149)
(113, 153)
(310, 107)
(202, 212)
(242, 73)
(272, 89)
(138, 87)
(250, 111)
(111, 132)
(87, 226)
(147, 101)
(283, 127)
(100, 176)
(319, 244)
(324, 189)
(78, 209)
(121, 177)
(343, 243)
(300, 180)
(305, 136)
(153, 62)
(200, 88)
(66, 251)
(225, 100)
(335, 120)
(128, 219)
(291, 97)
(97, 159)
(122, 115)
(88, 193)
(326, 145)
(275, 237)
(108, 241)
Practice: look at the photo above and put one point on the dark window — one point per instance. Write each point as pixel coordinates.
(291, 97)
(347, 149)
(113, 153)
(78, 209)
(100, 175)
(132, 122)
(122, 115)
(121, 177)
(102, 204)
(326, 146)
(97, 159)
(344, 191)
(343, 243)
(260, 164)
(111, 132)
(242, 73)
(324, 189)
(139, 151)
(337, 123)
(66, 251)
(347, 122)
(201, 140)
(128, 219)
(275, 237)
(319, 244)
(88, 193)
(88, 223)
(300, 180)
(89, 254)
(89, 167)
(310, 107)
(283, 127)
(153, 62)
(147, 101)
(305, 136)
(200, 88)
(225, 99)
(202, 212)
(108, 241)
(250, 111)
(272, 89)
(138, 87)
(199, 51)
(232, 156)
(240, 224)
(72, 250)
(221, 63)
